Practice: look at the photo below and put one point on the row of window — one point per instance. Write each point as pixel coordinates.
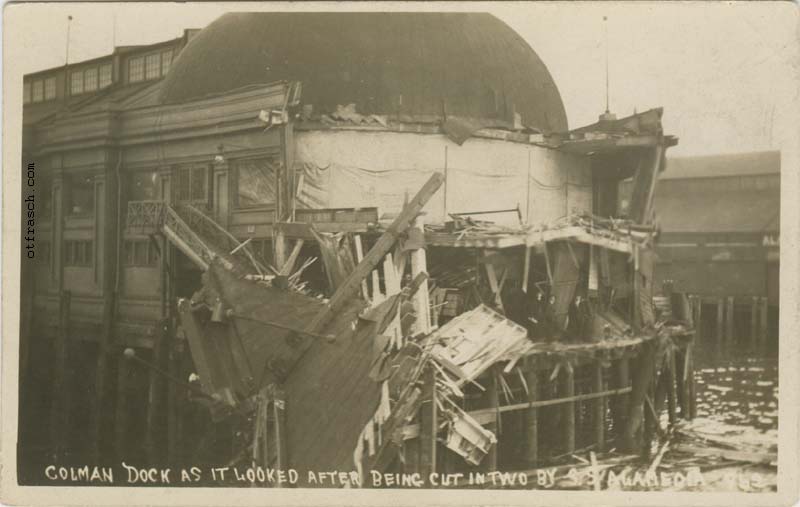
(138, 252)
(90, 79)
(147, 67)
(39, 90)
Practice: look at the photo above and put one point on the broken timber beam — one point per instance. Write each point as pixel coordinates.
(384, 244)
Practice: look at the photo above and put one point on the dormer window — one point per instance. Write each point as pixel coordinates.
(90, 80)
(136, 69)
(50, 88)
(37, 93)
(105, 76)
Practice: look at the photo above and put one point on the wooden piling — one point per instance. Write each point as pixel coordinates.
(568, 409)
(532, 415)
(672, 392)
(633, 434)
(763, 321)
(121, 409)
(154, 399)
(172, 398)
(599, 408)
(719, 331)
(729, 314)
(59, 410)
(688, 379)
(698, 318)
(623, 380)
(753, 338)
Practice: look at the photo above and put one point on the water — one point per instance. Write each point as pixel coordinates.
(737, 382)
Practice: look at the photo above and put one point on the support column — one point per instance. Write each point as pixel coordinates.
(764, 320)
(719, 331)
(729, 314)
(59, 414)
(154, 395)
(419, 265)
(568, 409)
(532, 415)
(222, 194)
(672, 391)
(599, 408)
(753, 338)
(620, 404)
(121, 409)
(633, 437)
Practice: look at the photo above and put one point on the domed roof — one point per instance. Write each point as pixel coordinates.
(417, 64)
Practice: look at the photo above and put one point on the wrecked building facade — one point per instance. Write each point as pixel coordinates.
(323, 249)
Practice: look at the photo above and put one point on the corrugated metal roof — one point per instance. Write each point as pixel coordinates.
(735, 164)
(418, 64)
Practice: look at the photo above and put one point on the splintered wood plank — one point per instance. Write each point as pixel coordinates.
(392, 288)
(359, 258)
(288, 267)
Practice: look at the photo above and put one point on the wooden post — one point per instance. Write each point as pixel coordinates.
(428, 421)
(672, 392)
(680, 385)
(633, 435)
(764, 320)
(494, 402)
(568, 409)
(526, 268)
(172, 397)
(599, 408)
(279, 240)
(689, 379)
(719, 331)
(59, 415)
(623, 380)
(419, 264)
(279, 418)
(359, 258)
(154, 395)
(101, 381)
(532, 416)
(729, 314)
(753, 338)
(698, 319)
(121, 410)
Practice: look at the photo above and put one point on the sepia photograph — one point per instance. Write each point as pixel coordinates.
(480, 251)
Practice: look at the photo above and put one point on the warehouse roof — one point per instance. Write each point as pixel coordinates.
(398, 64)
(735, 164)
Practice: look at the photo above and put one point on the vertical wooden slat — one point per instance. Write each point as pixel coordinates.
(672, 394)
(526, 269)
(427, 425)
(623, 380)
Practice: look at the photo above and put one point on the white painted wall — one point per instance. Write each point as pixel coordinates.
(360, 169)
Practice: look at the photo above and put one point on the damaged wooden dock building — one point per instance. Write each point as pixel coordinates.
(320, 242)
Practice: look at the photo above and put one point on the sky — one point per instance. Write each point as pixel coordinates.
(726, 74)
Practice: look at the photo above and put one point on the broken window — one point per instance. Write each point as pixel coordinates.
(255, 179)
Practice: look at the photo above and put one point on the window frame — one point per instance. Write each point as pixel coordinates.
(136, 60)
(272, 160)
(192, 170)
(91, 71)
(40, 88)
(78, 253)
(75, 77)
(100, 71)
(166, 63)
(47, 88)
(149, 258)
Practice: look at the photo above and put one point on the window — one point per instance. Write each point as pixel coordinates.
(136, 69)
(90, 80)
(50, 88)
(255, 182)
(81, 195)
(105, 76)
(152, 66)
(76, 83)
(166, 61)
(37, 91)
(26, 93)
(192, 184)
(141, 186)
(78, 253)
(141, 253)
